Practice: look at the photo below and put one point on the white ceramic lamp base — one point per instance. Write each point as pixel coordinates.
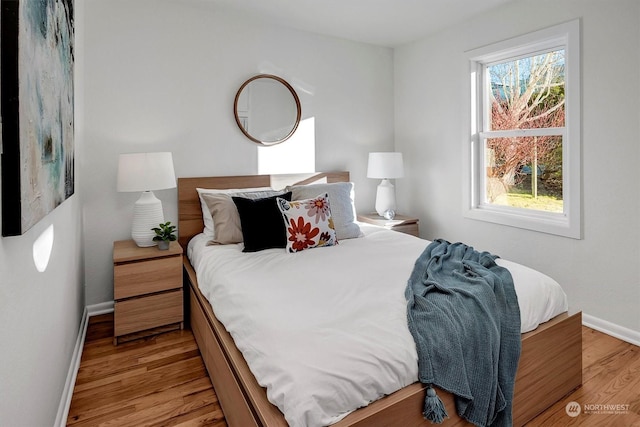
(147, 213)
(385, 197)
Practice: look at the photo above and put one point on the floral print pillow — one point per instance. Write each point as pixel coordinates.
(308, 223)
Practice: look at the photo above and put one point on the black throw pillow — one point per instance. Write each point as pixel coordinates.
(261, 222)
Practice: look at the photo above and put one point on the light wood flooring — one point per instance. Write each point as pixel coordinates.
(156, 381)
(161, 381)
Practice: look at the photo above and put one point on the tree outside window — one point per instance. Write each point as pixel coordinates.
(525, 124)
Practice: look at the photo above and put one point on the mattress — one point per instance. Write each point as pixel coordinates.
(325, 330)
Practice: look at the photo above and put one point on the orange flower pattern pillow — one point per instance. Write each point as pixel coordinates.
(308, 223)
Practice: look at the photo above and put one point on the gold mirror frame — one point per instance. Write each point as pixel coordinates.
(295, 98)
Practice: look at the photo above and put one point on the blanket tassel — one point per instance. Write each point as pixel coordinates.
(434, 409)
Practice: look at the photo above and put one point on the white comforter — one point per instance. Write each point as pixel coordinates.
(325, 330)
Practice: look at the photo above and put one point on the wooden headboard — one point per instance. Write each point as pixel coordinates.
(190, 212)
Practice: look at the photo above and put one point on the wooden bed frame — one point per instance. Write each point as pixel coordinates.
(550, 363)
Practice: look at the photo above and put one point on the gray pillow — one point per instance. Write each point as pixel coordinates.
(343, 209)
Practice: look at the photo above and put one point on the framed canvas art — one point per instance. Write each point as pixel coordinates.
(36, 106)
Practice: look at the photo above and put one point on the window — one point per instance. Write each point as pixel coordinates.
(525, 132)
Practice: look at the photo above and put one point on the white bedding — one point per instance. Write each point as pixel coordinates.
(325, 330)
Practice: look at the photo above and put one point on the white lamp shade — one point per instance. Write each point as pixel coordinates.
(145, 172)
(385, 165)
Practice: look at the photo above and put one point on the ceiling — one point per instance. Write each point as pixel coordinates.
(380, 22)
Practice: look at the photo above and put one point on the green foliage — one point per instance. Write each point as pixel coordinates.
(165, 232)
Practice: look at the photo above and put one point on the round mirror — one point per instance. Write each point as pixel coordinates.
(267, 109)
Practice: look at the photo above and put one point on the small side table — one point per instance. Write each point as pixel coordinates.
(402, 223)
(147, 289)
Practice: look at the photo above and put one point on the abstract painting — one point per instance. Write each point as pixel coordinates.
(36, 105)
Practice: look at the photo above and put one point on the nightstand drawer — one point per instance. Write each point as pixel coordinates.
(139, 278)
(147, 312)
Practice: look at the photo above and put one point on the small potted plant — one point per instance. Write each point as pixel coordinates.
(164, 235)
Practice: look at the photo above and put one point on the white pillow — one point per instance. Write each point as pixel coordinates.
(206, 215)
(343, 209)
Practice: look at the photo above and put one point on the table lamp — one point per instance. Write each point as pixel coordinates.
(146, 172)
(385, 166)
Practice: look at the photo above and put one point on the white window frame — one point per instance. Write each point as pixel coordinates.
(568, 223)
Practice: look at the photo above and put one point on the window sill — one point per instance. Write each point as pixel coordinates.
(543, 222)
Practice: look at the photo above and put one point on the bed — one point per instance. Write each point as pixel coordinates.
(550, 365)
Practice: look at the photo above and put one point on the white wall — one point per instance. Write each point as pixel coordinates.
(600, 273)
(40, 316)
(40, 313)
(162, 75)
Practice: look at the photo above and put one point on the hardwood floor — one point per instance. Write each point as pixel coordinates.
(156, 381)
(161, 381)
(610, 376)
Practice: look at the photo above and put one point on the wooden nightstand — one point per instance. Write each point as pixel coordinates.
(147, 289)
(401, 223)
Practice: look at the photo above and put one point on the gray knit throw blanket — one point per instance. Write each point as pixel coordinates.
(463, 314)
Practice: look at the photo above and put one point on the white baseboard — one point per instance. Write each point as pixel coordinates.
(74, 366)
(102, 308)
(67, 392)
(620, 332)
